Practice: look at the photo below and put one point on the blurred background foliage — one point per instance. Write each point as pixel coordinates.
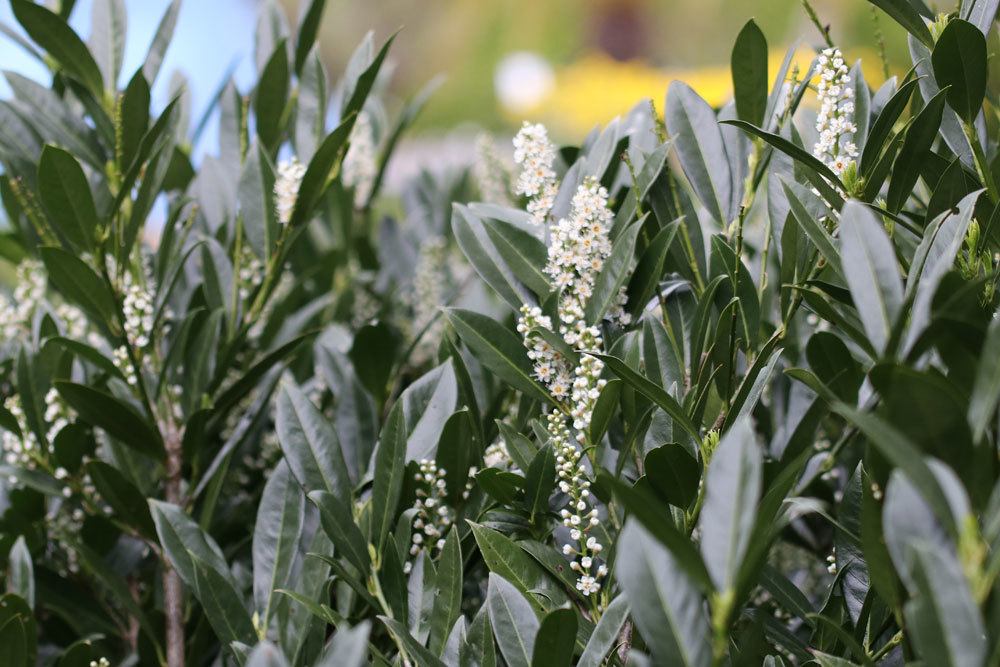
(569, 63)
(603, 54)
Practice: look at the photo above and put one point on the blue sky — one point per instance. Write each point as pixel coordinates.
(210, 36)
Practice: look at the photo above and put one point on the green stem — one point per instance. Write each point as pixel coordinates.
(982, 165)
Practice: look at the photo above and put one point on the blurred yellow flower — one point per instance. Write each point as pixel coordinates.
(596, 88)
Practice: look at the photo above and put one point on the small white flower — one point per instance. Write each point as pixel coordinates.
(286, 187)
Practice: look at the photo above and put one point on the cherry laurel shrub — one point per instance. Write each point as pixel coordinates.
(717, 387)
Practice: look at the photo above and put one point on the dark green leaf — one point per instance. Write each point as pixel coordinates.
(67, 198)
(732, 490)
(276, 535)
(907, 16)
(118, 418)
(668, 609)
(310, 445)
(514, 622)
(555, 639)
(54, 35)
(919, 138)
(959, 60)
(340, 526)
(497, 349)
(388, 471)
(749, 69)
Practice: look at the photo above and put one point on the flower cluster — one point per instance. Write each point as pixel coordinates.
(57, 414)
(578, 248)
(428, 295)
(434, 516)
(578, 515)
(29, 293)
(490, 173)
(137, 307)
(835, 122)
(251, 272)
(360, 165)
(286, 187)
(20, 449)
(497, 456)
(537, 180)
(103, 662)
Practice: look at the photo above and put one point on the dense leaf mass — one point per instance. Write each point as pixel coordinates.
(717, 387)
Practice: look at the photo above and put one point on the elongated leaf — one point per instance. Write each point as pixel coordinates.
(555, 639)
(700, 148)
(125, 499)
(919, 138)
(882, 127)
(795, 152)
(348, 648)
(524, 254)
(613, 274)
(107, 39)
(340, 526)
(948, 629)
(186, 545)
(514, 622)
(732, 490)
(448, 601)
(310, 444)
(904, 13)
(986, 390)
(871, 272)
(308, 29)
(389, 468)
(322, 168)
(497, 349)
(222, 603)
(21, 572)
(256, 198)
(506, 559)
(279, 525)
(67, 197)
(119, 419)
(668, 609)
(605, 634)
(79, 285)
(749, 67)
(959, 61)
(161, 40)
(473, 238)
(651, 391)
(54, 35)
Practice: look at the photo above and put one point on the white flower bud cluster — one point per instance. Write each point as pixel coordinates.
(537, 180)
(579, 515)
(137, 307)
(251, 272)
(103, 662)
(835, 121)
(434, 515)
(492, 177)
(617, 312)
(578, 247)
(29, 293)
(119, 356)
(286, 187)
(428, 296)
(551, 367)
(58, 414)
(21, 449)
(360, 164)
(497, 456)
(74, 321)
